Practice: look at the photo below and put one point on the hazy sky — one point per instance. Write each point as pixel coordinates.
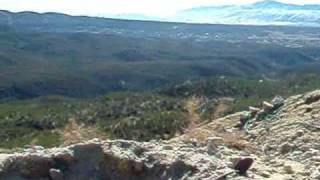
(103, 7)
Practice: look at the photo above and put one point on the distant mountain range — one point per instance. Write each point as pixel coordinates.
(261, 13)
(266, 12)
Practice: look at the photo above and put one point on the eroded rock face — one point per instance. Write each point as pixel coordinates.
(114, 160)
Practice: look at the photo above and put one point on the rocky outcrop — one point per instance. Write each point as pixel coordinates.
(289, 135)
(282, 136)
(115, 160)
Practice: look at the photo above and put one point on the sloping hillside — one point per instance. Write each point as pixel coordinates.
(281, 136)
(275, 141)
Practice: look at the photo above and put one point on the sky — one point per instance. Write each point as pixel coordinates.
(160, 8)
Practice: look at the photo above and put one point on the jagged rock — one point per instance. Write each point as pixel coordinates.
(212, 144)
(244, 118)
(242, 164)
(277, 101)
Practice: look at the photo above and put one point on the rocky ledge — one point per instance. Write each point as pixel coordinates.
(121, 160)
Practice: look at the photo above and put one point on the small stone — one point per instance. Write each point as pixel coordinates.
(300, 133)
(254, 110)
(167, 147)
(212, 144)
(195, 142)
(265, 174)
(138, 150)
(55, 174)
(288, 169)
(216, 139)
(38, 148)
(286, 148)
(267, 106)
(242, 164)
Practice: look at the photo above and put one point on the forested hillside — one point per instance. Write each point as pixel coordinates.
(92, 56)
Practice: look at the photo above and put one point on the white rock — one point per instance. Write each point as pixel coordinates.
(254, 109)
(267, 106)
(315, 174)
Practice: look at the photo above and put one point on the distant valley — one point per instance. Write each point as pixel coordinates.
(44, 54)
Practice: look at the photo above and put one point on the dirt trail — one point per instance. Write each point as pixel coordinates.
(194, 118)
(76, 133)
(192, 105)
